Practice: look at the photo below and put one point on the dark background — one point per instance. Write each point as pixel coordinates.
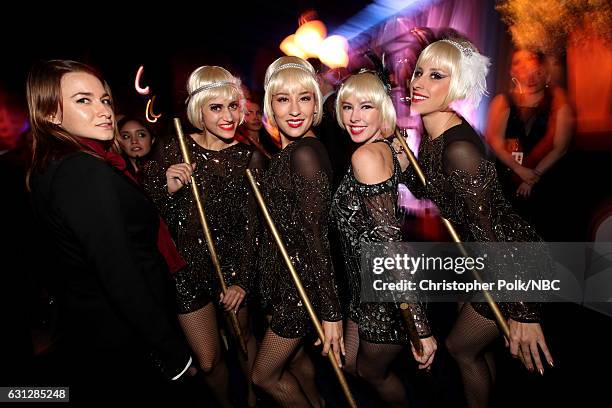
(170, 41)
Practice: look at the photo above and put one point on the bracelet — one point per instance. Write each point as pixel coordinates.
(537, 172)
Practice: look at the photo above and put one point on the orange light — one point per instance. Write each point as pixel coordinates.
(272, 131)
(310, 36)
(149, 110)
(333, 52)
(289, 47)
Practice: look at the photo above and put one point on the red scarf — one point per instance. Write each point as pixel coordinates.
(164, 239)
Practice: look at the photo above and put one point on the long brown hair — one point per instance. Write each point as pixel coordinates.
(44, 95)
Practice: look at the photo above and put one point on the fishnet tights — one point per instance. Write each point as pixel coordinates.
(372, 362)
(285, 371)
(466, 343)
(202, 333)
(251, 343)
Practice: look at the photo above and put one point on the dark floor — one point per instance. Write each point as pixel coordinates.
(579, 339)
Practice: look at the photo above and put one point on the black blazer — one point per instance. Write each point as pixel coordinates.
(113, 281)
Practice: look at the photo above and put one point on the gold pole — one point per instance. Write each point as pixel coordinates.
(298, 284)
(209, 239)
(451, 230)
(412, 331)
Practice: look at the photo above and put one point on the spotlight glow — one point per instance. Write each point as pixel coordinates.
(310, 36)
(333, 52)
(289, 47)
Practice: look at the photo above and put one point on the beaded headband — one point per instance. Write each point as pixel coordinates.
(212, 85)
(467, 51)
(286, 66)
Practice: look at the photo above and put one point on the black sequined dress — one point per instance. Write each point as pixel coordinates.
(231, 212)
(463, 183)
(297, 192)
(366, 213)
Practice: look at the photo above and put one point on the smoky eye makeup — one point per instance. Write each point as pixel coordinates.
(437, 75)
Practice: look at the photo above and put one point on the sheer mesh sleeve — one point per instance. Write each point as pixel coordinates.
(154, 184)
(411, 179)
(379, 203)
(311, 180)
(247, 263)
(474, 179)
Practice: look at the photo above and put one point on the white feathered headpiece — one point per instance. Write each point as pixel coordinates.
(473, 70)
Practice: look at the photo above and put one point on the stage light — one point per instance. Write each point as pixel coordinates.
(333, 52)
(289, 47)
(149, 111)
(310, 36)
(139, 89)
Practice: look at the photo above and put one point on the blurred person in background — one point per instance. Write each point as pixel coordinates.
(529, 129)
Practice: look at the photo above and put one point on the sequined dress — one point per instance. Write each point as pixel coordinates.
(367, 213)
(231, 212)
(463, 183)
(297, 191)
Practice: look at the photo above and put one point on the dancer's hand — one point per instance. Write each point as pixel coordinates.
(334, 339)
(526, 174)
(178, 175)
(234, 295)
(524, 341)
(524, 190)
(429, 351)
(401, 155)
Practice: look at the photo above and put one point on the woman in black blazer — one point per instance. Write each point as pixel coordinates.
(113, 258)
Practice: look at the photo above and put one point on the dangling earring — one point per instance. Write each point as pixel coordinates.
(517, 84)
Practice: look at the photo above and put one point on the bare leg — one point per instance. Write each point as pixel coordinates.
(202, 334)
(466, 342)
